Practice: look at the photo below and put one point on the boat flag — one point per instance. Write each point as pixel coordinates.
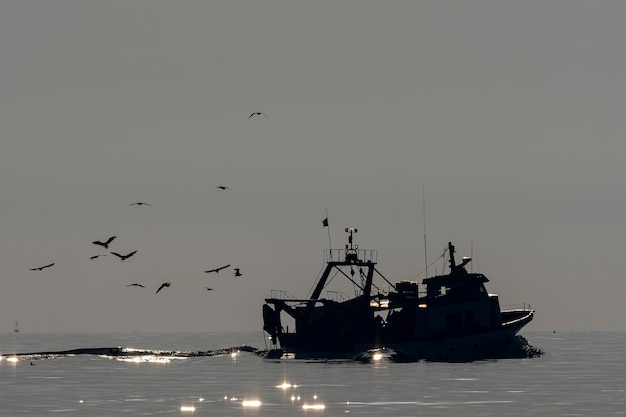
(325, 224)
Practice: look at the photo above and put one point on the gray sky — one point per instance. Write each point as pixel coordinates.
(511, 115)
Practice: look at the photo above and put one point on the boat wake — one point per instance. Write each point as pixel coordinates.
(134, 355)
(518, 348)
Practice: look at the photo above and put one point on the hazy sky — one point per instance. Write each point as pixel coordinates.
(510, 115)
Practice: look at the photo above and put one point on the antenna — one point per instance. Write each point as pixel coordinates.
(351, 250)
(424, 221)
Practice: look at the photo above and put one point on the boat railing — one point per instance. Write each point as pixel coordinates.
(282, 295)
(518, 307)
(341, 255)
(337, 296)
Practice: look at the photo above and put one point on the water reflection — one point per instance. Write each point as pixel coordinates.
(313, 406)
(145, 358)
(286, 386)
(187, 408)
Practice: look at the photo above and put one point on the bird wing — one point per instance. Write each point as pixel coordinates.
(212, 270)
(97, 242)
(165, 284)
(225, 266)
(130, 254)
(110, 239)
(118, 255)
(42, 267)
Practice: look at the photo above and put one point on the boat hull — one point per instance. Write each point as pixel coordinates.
(462, 348)
(478, 345)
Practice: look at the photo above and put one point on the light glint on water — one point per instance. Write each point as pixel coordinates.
(286, 385)
(317, 407)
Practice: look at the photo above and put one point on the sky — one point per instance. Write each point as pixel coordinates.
(495, 125)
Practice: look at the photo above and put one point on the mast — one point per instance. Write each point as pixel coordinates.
(326, 224)
(424, 224)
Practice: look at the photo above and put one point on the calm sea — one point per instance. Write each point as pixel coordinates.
(581, 374)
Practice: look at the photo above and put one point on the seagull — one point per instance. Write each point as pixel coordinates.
(258, 113)
(135, 285)
(237, 273)
(95, 257)
(217, 270)
(124, 257)
(165, 284)
(41, 268)
(139, 203)
(105, 244)
(223, 187)
(209, 289)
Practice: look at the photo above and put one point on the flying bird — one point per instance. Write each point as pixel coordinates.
(124, 257)
(237, 273)
(223, 187)
(209, 289)
(105, 244)
(41, 268)
(135, 285)
(258, 113)
(165, 284)
(95, 257)
(217, 270)
(139, 203)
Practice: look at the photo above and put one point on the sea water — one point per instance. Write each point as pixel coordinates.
(581, 374)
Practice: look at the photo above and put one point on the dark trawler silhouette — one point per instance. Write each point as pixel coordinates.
(448, 318)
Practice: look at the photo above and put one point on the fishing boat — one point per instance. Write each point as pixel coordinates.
(448, 317)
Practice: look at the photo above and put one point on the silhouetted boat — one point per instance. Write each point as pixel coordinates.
(447, 318)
